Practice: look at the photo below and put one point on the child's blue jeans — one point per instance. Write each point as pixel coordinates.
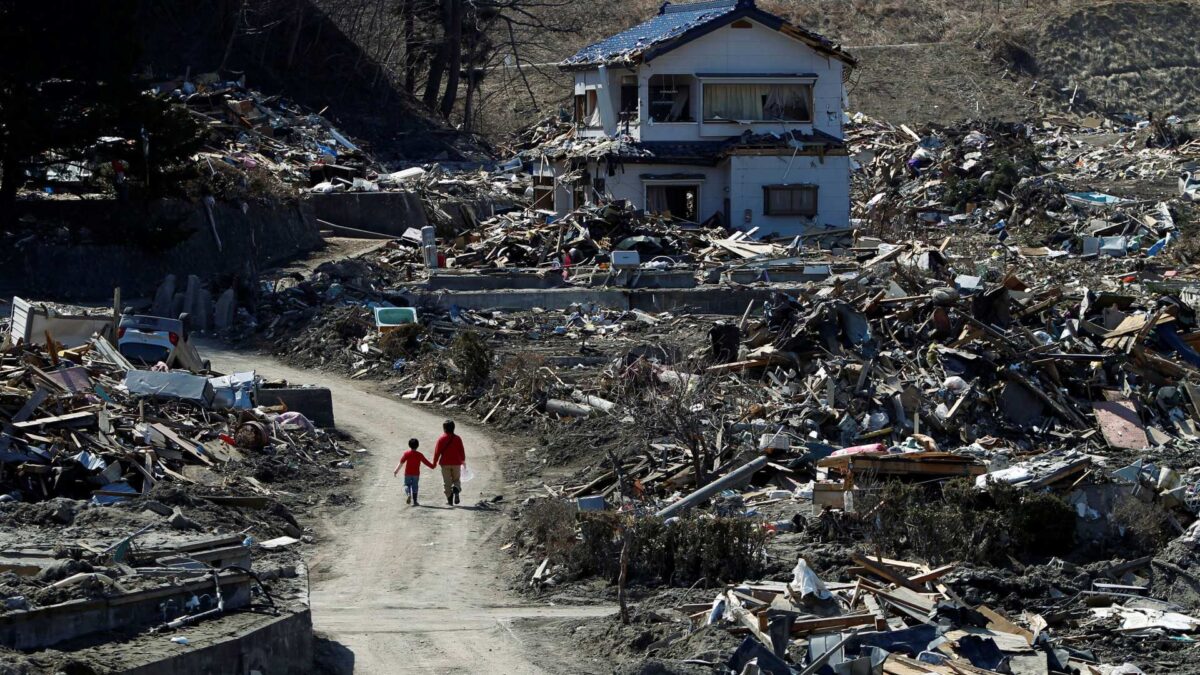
(410, 485)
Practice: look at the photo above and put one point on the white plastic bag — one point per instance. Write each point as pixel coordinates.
(467, 474)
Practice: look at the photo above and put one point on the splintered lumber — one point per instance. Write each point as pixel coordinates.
(1000, 624)
(39, 397)
(745, 618)
(921, 463)
(735, 477)
(885, 571)
(184, 444)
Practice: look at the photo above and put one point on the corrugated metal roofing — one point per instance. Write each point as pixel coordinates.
(672, 21)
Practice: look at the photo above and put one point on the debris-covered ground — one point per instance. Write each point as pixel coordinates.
(120, 483)
(973, 424)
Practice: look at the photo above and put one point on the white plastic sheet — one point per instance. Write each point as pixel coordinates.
(807, 582)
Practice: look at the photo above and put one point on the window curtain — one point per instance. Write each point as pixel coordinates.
(656, 199)
(756, 102)
(786, 101)
(733, 101)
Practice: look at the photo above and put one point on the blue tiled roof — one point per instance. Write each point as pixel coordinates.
(672, 21)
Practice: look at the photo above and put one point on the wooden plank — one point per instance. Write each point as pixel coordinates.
(184, 444)
(69, 418)
(739, 366)
(999, 623)
(809, 626)
(747, 619)
(933, 575)
(885, 571)
(35, 401)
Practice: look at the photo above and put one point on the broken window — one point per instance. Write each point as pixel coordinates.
(587, 113)
(543, 192)
(790, 200)
(676, 201)
(629, 96)
(757, 102)
(670, 98)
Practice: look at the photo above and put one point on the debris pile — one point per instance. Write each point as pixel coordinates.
(1044, 183)
(1000, 345)
(131, 460)
(253, 131)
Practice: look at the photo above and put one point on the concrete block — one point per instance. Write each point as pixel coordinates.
(202, 317)
(164, 297)
(191, 298)
(315, 403)
(225, 311)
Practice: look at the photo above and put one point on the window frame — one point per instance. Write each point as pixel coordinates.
(809, 83)
(679, 81)
(816, 200)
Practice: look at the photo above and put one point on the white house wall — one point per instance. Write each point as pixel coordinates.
(627, 184)
(749, 173)
(755, 50)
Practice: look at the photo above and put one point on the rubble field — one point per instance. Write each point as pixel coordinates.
(958, 437)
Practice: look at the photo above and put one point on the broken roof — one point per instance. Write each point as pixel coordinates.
(679, 23)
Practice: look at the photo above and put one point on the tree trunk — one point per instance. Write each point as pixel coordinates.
(433, 81)
(469, 101)
(295, 41)
(453, 21)
(410, 46)
(237, 27)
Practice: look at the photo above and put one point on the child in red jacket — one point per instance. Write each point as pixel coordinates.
(411, 461)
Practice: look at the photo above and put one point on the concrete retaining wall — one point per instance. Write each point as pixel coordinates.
(392, 213)
(381, 212)
(263, 234)
(280, 646)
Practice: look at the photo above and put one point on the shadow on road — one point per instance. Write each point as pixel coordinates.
(331, 657)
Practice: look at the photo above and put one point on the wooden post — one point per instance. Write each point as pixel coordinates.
(112, 331)
(624, 576)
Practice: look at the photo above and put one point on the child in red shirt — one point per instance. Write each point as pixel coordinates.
(412, 460)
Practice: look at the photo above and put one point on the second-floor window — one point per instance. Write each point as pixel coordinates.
(587, 112)
(670, 98)
(755, 102)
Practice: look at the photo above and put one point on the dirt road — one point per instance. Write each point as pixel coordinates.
(413, 590)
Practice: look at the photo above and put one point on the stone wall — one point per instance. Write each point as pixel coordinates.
(72, 266)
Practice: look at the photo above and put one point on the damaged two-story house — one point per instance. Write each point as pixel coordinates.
(710, 110)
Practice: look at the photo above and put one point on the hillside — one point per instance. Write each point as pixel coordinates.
(941, 61)
(294, 49)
